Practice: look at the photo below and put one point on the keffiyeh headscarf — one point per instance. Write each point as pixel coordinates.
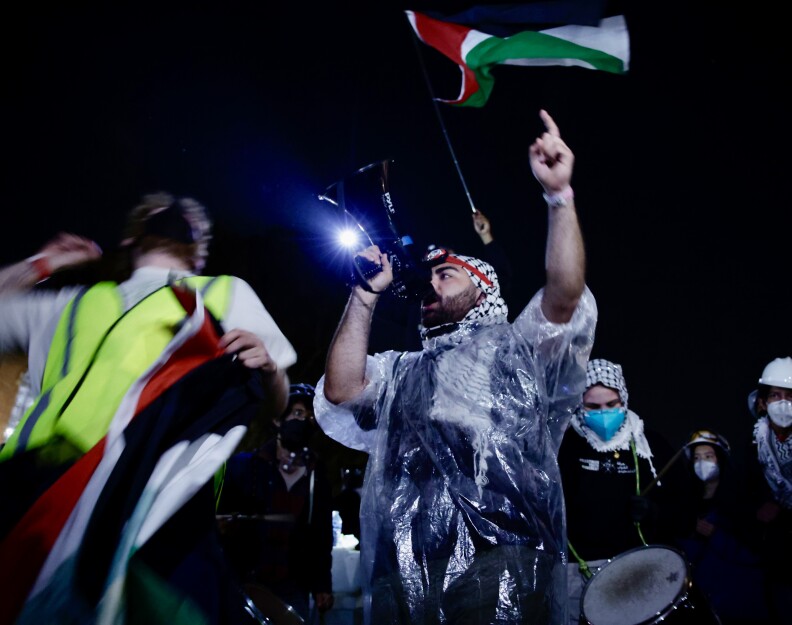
(607, 373)
(493, 308)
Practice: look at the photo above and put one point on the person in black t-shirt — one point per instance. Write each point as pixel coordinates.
(608, 460)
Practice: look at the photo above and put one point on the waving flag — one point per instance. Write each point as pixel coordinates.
(501, 36)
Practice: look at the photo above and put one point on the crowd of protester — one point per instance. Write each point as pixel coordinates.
(508, 477)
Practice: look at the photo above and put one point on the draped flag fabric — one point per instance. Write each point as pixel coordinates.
(127, 533)
(481, 43)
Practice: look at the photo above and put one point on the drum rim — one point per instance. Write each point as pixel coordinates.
(683, 595)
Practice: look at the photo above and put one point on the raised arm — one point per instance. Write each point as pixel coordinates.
(483, 228)
(345, 371)
(64, 251)
(565, 264)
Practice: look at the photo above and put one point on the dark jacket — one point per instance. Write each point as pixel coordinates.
(290, 544)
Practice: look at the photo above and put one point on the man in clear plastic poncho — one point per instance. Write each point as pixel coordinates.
(462, 514)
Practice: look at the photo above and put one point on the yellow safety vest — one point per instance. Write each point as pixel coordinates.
(97, 353)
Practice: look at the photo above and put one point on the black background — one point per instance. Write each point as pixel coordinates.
(680, 179)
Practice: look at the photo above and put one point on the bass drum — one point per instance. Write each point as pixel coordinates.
(645, 586)
(267, 609)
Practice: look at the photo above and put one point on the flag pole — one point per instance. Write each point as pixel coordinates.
(440, 119)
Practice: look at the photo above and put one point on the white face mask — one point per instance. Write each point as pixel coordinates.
(780, 413)
(706, 470)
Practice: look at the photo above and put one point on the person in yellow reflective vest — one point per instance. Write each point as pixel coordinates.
(91, 349)
(167, 242)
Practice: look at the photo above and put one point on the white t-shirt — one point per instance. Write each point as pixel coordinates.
(28, 320)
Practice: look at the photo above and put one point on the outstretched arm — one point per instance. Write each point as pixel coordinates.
(345, 371)
(64, 251)
(551, 163)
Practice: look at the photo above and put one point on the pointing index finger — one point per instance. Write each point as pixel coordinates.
(549, 123)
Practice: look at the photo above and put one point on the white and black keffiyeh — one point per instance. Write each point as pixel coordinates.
(631, 430)
(607, 373)
(461, 367)
(776, 459)
(493, 308)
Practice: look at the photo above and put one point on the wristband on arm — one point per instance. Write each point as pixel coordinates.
(41, 266)
(562, 198)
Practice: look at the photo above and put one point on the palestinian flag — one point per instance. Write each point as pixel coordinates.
(127, 533)
(483, 37)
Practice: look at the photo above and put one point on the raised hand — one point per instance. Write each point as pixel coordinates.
(68, 250)
(382, 272)
(551, 159)
(481, 225)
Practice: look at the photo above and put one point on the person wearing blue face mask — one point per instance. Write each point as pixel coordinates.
(607, 459)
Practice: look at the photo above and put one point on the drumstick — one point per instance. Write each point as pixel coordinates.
(663, 471)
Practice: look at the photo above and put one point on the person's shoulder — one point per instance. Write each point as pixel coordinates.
(41, 299)
(232, 278)
(68, 292)
(215, 278)
(241, 288)
(572, 442)
(571, 436)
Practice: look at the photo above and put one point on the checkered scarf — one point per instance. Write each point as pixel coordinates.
(608, 374)
(493, 309)
(776, 460)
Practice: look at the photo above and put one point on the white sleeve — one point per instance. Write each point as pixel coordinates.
(246, 312)
(28, 322)
(341, 422)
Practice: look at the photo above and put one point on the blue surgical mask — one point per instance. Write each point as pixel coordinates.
(606, 422)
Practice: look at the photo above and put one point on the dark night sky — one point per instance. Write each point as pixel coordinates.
(679, 174)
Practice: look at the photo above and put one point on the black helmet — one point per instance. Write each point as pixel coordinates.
(301, 390)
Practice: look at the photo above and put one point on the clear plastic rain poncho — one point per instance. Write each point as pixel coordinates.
(462, 516)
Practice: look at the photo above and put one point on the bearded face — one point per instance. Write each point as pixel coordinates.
(438, 309)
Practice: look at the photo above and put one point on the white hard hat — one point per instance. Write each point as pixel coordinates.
(778, 373)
